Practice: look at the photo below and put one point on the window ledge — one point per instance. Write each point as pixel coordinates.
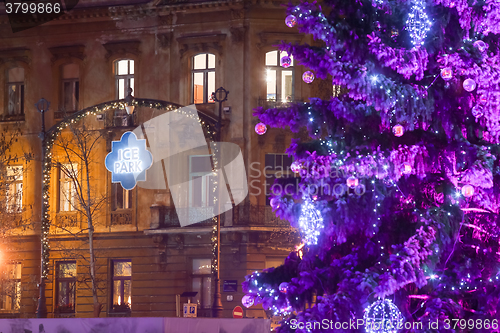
(12, 118)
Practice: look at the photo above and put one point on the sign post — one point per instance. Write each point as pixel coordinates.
(238, 312)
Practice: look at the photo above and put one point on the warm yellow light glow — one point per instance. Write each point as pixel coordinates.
(269, 76)
(129, 301)
(119, 300)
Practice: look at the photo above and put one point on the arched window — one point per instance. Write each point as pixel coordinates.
(279, 80)
(203, 78)
(70, 87)
(124, 76)
(15, 91)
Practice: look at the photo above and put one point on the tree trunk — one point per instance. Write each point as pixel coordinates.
(97, 309)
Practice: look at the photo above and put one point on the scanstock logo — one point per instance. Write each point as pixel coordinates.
(183, 162)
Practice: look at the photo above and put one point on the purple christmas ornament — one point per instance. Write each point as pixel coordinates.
(285, 61)
(291, 21)
(247, 301)
(469, 85)
(482, 46)
(308, 77)
(477, 111)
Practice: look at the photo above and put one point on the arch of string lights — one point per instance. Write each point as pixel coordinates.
(52, 134)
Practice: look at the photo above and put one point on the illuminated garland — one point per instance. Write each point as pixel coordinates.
(51, 136)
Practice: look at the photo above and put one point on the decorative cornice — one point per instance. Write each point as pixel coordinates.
(274, 38)
(201, 43)
(60, 52)
(122, 48)
(15, 55)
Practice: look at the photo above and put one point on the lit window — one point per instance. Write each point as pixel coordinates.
(124, 76)
(70, 87)
(203, 78)
(10, 293)
(14, 199)
(202, 282)
(68, 177)
(66, 286)
(279, 166)
(274, 261)
(122, 285)
(15, 91)
(200, 173)
(279, 80)
(122, 198)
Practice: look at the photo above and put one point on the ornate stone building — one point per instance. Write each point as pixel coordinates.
(175, 51)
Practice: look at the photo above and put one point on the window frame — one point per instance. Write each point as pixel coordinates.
(21, 86)
(206, 94)
(122, 287)
(199, 299)
(129, 81)
(68, 281)
(115, 188)
(276, 172)
(73, 201)
(279, 69)
(17, 197)
(75, 95)
(15, 305)
(206, 182)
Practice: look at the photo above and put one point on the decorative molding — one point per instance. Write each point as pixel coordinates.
(201, 43)
(122, 48)
(179, 241)
(15, 55)
(121, 217)
(164, 40)
(66, 220)
(275, 38)
(75, 51)
(237, 34)
(166, 19)
(237, 14)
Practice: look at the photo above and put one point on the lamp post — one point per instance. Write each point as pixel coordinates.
(220, 95)
(41, 312)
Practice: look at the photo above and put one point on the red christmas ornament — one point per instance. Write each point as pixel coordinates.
(398, 130)
(407, 168)
(260, 128)
(352, 182)
(467, 191)
(446, 73)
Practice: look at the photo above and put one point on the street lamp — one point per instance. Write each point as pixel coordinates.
(220, 95)
(41, 312)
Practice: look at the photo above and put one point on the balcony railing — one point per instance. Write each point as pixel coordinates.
(121, 217)
(242, 215)
(258, 215)
(270, 104)
(190, 214)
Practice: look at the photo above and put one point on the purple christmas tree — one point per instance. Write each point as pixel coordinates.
(398, 198)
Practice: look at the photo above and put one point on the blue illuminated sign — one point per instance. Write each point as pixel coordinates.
(128, 160)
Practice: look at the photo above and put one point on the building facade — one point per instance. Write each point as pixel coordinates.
(175, 51)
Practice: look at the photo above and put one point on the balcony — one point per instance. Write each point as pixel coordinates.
(242, 215)
(258, 215)
(272, 103)
(190, 214)
(121, 217)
